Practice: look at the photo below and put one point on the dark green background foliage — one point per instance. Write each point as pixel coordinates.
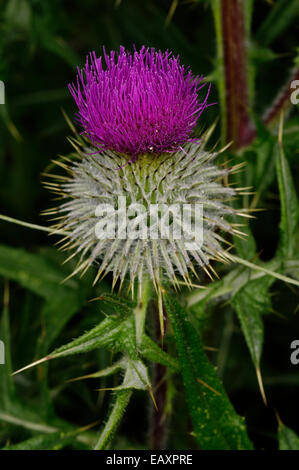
(246, 320)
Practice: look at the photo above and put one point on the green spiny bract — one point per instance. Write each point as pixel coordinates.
(187, 178)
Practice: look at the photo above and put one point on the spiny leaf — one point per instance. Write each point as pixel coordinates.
(251, 302)
(121, 402)
(33, 271)
(120, 304)
(229, 285)
(105, 334)
(136, 376)
(151, 351)
(288, 201)
(246, 248)
(116, 333)
(101, 373)
(216, 424)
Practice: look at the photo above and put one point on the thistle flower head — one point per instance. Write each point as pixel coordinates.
(102, 195)
(137, 103)
(150, 215)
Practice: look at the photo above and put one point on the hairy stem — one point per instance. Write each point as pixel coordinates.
(158, 418)
(121, 402)
(122, 398)
(232, 28)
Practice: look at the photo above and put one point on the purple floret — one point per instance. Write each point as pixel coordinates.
(140, 102)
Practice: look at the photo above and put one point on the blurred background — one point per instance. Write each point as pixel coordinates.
(41, 44)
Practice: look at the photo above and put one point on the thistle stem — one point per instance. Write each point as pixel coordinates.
(233, 83)
(238, 124)
(123, 397)
(158, 423)
(121, 402)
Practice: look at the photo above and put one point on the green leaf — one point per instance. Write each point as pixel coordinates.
(103, 372)
(4, 115)
(116, 332)
(58, 46)
(251, 302)
(283, 13)
(216, 424)
(17, 15)
(151, 351)
(43, 276)
(287, 439)
(230, 284)
(136, 376)
(52, 441)
(289, 204)
(24, 417)
(57, 312)
(120, 304)
(263, 161)
(259, 54)
(106, 334)
(33, 272)
(248, 14)
(245, 247)
(7, 388)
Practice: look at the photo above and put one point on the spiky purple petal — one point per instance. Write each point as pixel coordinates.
(140, 102)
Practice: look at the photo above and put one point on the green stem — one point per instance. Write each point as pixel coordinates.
(7, 384)
(216, 7)
(119, 407)
(158, 422)
(123, 397)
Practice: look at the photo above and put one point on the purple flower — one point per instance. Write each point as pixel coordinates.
(144, 101)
